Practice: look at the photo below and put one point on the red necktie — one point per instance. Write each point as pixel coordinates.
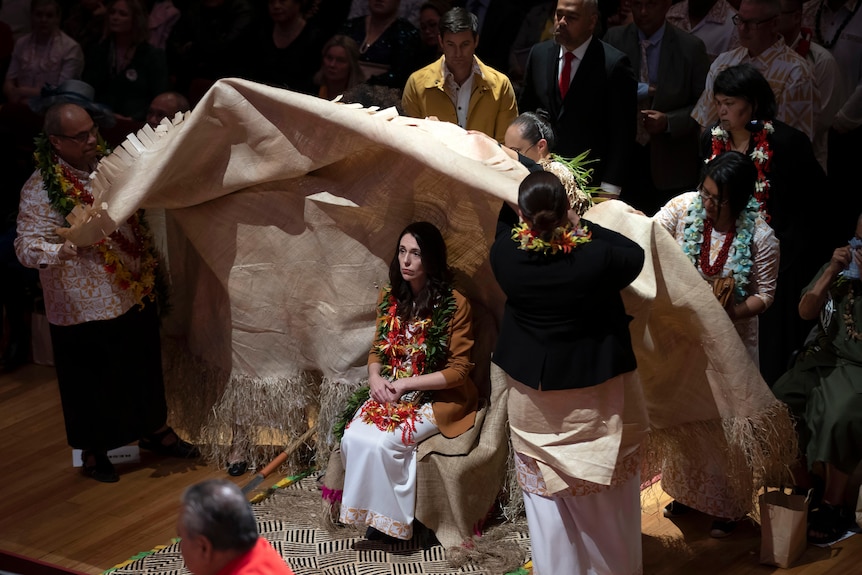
(566, 74)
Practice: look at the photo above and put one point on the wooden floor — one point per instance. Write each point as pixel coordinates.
(49, 511)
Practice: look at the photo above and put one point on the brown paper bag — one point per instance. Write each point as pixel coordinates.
(783, 527)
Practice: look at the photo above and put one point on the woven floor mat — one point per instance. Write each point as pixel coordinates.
(289, 519)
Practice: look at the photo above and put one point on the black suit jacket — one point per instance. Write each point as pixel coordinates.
(599, 111)
(682, 69)
(564, 324)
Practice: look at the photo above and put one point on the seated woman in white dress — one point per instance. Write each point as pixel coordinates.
(418, 381)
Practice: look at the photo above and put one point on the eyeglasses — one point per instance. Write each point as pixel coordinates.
(707, 197)
(523, 152)
(81, 137)
(750, 24)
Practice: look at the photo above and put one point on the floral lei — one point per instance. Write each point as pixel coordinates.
(762, 156)
(564, 239)
(407, 349)
(741, 247)
(849, 322)
(65, 191)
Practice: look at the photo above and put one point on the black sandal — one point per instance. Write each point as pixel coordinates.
(177, 448)
(827, 524)
(96, 464)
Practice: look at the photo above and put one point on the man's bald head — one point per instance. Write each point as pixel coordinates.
(166, 105)
(73, 135)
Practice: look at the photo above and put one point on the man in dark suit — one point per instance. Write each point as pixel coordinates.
(589, 90)
(671, 66)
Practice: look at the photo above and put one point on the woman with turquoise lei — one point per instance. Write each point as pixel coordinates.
(724, 216)
(722, 231)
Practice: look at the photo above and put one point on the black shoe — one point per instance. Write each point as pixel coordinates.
(97, 465)
(237, 468)
(828, 523)
(373, 534)
(675, 509)
(721, 528)
(176, 448)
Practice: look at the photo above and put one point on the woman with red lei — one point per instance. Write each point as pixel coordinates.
(787, 175)
(418, 385)
(576, 411)
(722, 231)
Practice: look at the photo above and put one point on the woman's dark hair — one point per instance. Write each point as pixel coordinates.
(744, 81)
(432, 249)
(735, 175)
(534, 126)
(542, 200)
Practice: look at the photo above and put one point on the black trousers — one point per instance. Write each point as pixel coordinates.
(110, 376)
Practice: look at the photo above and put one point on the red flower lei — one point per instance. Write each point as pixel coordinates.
(389, 416)
(718, 265)
(761, 155)
(76, 190)
(141, 282)
(407, 349)
(804, 44)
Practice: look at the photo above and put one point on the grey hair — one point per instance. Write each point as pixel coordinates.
(216, 509)
(535, 126)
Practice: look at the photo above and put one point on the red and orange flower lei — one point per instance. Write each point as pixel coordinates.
(407, 349)
(65, 191)
(564, 239)
(762, 156)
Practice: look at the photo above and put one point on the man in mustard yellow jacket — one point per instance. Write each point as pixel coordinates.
(459, 88)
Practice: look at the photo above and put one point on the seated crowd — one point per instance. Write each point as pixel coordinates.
(767, 93)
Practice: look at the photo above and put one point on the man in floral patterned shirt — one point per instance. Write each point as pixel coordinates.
(99, 301)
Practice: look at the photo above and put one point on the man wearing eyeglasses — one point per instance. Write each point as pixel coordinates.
(103, 322)
(787, 72)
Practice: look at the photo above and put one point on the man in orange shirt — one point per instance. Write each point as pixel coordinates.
(219, 533)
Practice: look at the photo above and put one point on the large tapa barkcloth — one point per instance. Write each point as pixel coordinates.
(283, 211)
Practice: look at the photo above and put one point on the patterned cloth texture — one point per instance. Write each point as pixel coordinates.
(789, 76)
(283, 211)
(310, 550)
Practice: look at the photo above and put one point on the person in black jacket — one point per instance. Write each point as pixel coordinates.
(589, 89)
(566, 350)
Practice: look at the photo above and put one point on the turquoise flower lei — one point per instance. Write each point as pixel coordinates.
(740, 249)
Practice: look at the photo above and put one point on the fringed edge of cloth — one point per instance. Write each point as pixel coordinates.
(217, 409)
(512, 498)
(258, 416)
(192, 387)
(757, 452)
(334, 394)
(492, 552)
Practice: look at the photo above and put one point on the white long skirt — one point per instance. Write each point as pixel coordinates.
(596, 534)
(380, 475)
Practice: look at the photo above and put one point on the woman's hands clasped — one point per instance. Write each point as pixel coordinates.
(382, 390)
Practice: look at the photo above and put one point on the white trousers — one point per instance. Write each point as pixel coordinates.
(380, 475)
(598, 534)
